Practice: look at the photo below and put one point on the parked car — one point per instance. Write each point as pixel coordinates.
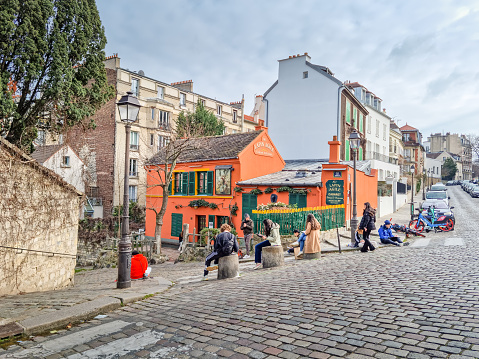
(469, 186)
(440, 208)
(464, 183)
(439, 196)
(475, 191)
(438, 187)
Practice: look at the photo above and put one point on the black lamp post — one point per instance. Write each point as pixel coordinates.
(412, 191)
(128, 107)
(423, 184)
(354, 141)
(428, 179)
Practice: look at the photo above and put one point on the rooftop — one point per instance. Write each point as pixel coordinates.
(43, 153)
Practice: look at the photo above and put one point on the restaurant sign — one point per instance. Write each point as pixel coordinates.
(334, 192)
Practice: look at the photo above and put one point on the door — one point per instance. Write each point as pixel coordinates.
(201, 220)
(249, 204)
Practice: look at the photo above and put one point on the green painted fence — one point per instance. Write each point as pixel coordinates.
(289, 219)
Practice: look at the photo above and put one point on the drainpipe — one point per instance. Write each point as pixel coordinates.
(267, 111)
(342, 87)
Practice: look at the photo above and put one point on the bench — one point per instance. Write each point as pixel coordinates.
(228, 266)
(272, 256)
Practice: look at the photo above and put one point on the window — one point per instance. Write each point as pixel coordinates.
(161, 92)
(203, 102)
(369, 124)
(163, 141)
(133, 167)
(377, 128)
(219, 110)
(182, 99)
(235, 116)
(152, 113)
(305, 74)
(135, 86)
(164, 120)
(152, 139)
(362, 119)
(384, 132)
(66, 161)
(133, 193)
(180, 180)
(41, 137)
(134, 140)
(348, 112)
(204, 183)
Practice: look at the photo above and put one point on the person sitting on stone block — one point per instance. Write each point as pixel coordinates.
(272, 238)
(225, 244)
(139, 266)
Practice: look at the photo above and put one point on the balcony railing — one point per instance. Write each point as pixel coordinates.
(133, 173)
(372, 155)
(164, 126)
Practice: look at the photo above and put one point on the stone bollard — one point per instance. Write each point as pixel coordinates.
(272, 256)
(228, 266)
(316, 255)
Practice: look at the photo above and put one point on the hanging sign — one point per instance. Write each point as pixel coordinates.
(334, 192)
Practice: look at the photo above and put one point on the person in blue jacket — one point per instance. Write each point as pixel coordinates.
(386, 235)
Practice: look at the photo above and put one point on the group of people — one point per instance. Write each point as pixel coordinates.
(368, 224)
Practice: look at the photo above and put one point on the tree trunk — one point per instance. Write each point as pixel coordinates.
(159, 220)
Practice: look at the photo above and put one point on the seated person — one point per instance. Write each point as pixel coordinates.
(225, 244)
(300, 242)
(386, 235)
(272, 238)
(139, 266)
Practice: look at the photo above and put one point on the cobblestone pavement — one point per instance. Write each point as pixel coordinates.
(419, 301)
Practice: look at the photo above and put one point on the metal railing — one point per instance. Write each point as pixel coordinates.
(134, 147)
(139, 243)
(330, 217)
(372, 155)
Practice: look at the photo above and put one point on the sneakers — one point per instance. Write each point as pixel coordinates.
(205, 278)
(300, 253)
(405, 244)
(246, 256)
(257, 266)
(211, 268)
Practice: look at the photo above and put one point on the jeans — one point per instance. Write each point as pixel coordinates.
(367, 244)
(213, 256)
(301, 241)
(257, 250)
(247, 242)
(393, 240)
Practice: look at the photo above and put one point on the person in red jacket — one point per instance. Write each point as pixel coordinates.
(139, 266)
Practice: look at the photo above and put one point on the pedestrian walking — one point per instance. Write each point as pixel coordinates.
(225, 245)
(368, 224)
(247, 226)
(271, 238)
(313, 235)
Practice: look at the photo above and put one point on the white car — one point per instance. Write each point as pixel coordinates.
(437, 196)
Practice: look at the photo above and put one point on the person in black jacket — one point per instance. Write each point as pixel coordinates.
(247, 228)
(225, 244)
(368, 224)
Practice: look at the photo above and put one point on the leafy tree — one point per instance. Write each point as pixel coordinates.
(449, 169)
(51, 66)
(199, 123)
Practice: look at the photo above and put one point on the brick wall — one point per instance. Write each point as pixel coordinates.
(38, 225)
(96, 147)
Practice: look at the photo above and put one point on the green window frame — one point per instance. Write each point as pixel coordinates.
(176, 224)
(348, 112)
(204, 183)
(211, 219)
(362, 119)
(346, 151)
(191, 183)
(299, 199)
(355, 116)
(360, 153)
(221, 220)
(180, 183)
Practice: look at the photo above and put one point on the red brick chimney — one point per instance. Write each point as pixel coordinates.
(260, 127)
(334, 147)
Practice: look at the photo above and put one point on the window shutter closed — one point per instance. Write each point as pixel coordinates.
(191, 187)
(302, 202)
(209, 184)
(176, 224)
(184, 184)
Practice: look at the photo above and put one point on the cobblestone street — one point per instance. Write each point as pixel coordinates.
(420, 301)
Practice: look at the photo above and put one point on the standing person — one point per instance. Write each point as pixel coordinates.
(386, 235)
(367, 224)
(313, 235)
(180, 240)
(271, 238)
(247, 226)
(225, 244)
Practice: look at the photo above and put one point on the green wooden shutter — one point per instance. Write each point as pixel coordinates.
(346, 151)
(360, 153)
(191, 183)
(169, 188)
(249, 203)
(355, 117)
(176, 224)
(184, 183)
(211, 218)
(209, 183)
(348, 112)
(302, 201)
(361, 123)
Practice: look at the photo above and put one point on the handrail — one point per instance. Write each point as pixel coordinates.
(73, 256)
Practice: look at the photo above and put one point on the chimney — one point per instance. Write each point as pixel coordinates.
(184, 85)
(261, 128)
(334, 147)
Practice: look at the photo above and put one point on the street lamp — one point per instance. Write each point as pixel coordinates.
(412, 191)
(128, 107)
(423, 184)
(428, 179)
(354, 140)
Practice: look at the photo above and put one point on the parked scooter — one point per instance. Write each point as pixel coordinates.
(442, 223)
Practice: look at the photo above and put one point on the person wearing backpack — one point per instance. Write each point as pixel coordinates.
(225, 244)
(367, 224)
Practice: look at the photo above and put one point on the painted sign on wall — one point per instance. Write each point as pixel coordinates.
(334, 192)
(263, 148)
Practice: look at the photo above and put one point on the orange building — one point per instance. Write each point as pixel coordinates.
(233, 174)
(204, 192)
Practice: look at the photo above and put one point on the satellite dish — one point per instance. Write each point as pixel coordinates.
(274, 198)
(141, 73)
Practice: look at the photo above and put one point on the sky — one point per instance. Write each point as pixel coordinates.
(421, 57)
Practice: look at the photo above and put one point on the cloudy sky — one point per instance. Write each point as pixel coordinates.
(420, 56)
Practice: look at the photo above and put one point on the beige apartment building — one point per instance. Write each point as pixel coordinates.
(103, 149)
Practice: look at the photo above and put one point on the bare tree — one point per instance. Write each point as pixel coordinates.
(474, 140)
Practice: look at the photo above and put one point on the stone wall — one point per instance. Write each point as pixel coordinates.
(38, 225)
